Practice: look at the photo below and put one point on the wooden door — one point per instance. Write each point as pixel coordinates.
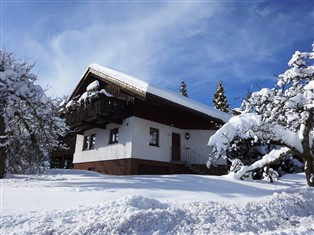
(176, 147)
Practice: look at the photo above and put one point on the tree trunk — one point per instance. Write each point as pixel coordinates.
(307, 154)
(2, 148)
(309, 171)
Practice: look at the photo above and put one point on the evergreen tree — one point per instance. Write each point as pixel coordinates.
(220, 100)
(183, 90)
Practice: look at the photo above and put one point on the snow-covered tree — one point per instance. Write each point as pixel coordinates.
(183, 90)
(220, 100)
(29, 124)
(283, 116)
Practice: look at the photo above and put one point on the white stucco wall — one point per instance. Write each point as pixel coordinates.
(141, 148)
(103, 150)
(134, 141)
(198, 143)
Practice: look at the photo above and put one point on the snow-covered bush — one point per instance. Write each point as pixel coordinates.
(246, 152)
(283, 115)
(29, 123)
(289, 164)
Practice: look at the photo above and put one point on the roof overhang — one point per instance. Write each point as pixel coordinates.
(141, 90)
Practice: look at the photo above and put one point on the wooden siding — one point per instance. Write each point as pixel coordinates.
(115, 89)
(173, 115)
(139, 104)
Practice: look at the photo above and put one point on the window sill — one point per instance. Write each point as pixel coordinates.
(154, 145)
(88, 149)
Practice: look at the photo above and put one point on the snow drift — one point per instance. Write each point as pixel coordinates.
(174, 204)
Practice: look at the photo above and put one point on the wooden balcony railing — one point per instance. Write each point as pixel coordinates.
(97, 112)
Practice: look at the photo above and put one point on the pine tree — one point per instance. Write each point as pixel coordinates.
(220, 100)
(183, 90)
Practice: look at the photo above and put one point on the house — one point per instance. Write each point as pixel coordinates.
(126, 126)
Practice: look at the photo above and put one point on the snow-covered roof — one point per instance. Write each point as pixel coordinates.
(143, 87)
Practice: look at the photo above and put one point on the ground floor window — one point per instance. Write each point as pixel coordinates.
(114, 136)
(89, 142)
(92, 141)
(154, 137)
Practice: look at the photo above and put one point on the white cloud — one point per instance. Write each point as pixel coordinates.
(201, 42)
(137, 46)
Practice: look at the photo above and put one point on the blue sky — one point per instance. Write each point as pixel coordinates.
(241, 43)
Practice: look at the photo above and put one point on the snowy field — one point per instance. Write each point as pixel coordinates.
(82, 202)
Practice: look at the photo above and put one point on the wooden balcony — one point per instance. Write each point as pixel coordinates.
(96, 113)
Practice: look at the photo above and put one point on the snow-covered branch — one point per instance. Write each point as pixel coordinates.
(283, 115)
(267, 159)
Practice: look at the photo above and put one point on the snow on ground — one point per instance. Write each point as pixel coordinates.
(82, 202)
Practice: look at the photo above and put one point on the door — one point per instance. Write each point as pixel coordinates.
(176, 147)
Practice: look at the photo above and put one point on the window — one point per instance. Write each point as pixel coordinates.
(154, 137)
(92, 141)
(89, 142)
(86, 142)
(114, 136)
